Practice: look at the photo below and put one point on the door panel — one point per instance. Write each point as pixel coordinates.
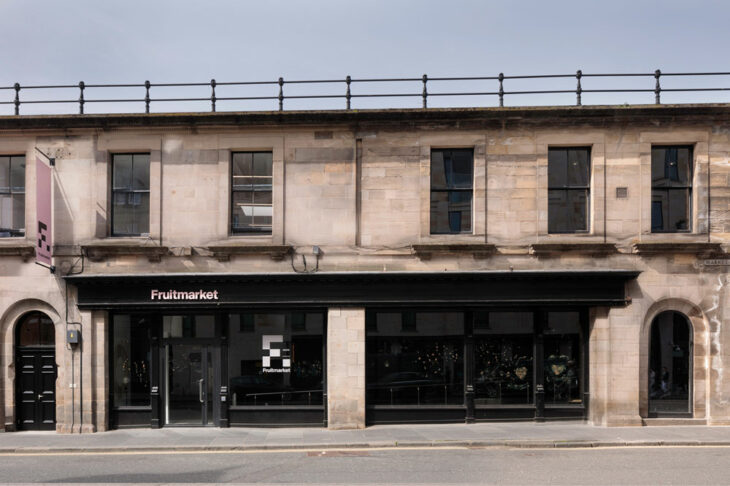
(36, 389)
(189, 385)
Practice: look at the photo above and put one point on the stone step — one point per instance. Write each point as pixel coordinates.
(664, 421)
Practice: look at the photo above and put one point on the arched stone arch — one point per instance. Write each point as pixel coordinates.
(698, 324)
(8, 322)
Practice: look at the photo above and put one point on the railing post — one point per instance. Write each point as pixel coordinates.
(17, 98)
(501, 90)
(81, 97)
(657, 88)
(348, 96)
(147, 97)
(212, 95)
(281, 94)
(425, 91)
(578, 89)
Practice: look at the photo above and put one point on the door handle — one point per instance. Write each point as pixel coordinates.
(200, 390)
(40, 396)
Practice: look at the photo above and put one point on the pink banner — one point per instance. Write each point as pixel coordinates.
(43, 251)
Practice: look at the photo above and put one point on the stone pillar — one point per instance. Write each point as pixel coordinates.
(346, 368)
(600, 360)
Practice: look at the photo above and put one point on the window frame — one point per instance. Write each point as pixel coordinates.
(16, 232)
(251, 229)
(668, 189)
(113, 191)
(567, 188)
(449, 190)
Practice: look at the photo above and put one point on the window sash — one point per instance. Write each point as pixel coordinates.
(661, 187)
(134, 222)
(251, 215)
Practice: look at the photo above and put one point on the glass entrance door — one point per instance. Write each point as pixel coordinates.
(188, 384)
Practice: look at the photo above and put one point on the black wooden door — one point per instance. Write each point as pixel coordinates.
(35, 382)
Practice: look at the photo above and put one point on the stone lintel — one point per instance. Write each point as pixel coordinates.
(23, 249)
(223, 253)
(98, 252)
(594, 249)
(659, 248)
(478, 251)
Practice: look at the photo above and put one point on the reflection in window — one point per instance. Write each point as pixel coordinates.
(669, 364)
(130, 194)
(503, 358)
(130, 360)
(671, 188)
(420, 363)
(562, 360)
(251, 192)
(188, 326)
(568, 189)
(275, 358)
(12, 195)
(451, 190)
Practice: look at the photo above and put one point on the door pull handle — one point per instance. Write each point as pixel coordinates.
(200, 390)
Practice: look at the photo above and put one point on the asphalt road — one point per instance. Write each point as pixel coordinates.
(632, 465)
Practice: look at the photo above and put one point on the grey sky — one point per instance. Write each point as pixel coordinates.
(51, 41)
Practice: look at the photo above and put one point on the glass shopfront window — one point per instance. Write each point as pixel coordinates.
(415, 358)
(503, 358)
(562, 360)
(130, 360)
(275, 358)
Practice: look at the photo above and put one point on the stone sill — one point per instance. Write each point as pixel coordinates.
(478, 251)
(100, 250)
(659, 248)
(223, 252)
(595, 249)
(17, 247)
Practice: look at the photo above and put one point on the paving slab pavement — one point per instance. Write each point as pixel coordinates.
(509, 435)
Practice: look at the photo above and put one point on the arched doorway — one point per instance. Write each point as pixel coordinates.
(670, 370)
(35, 372)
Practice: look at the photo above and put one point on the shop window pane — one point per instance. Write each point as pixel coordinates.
(131, 352)
(192, 326)
(503, 358)
(275, 359)
(419, 365)
(562, 359)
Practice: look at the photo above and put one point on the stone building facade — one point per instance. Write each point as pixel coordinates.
(378, 266)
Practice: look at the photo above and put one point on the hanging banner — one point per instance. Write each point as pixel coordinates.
(43, 251)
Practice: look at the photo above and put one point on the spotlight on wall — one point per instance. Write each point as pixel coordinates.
(317, 251)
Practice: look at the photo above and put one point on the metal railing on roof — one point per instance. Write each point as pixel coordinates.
(491, 87)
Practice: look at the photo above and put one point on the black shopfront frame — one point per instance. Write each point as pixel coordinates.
(469, 411)
(452, 291)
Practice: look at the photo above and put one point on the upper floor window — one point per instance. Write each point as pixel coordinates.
(12, 195)
(452, 179)
(569, 176)
(130, 194)
(671, 188)
(251, 189)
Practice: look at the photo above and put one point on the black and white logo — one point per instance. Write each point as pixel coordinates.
(276, 354)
